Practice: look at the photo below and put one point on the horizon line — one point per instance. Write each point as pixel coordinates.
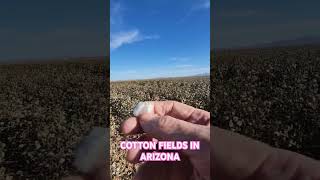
(163, 77)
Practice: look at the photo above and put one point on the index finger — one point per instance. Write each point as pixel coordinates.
(181, 111)
(170, 108)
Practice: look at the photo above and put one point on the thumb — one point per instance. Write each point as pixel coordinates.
(170, 128)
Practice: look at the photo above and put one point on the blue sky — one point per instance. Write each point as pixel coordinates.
(159, 38)
(162, 29)
(46, 29)
(250, 22)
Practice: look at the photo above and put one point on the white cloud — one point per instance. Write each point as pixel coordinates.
(150, 37)
(183, 66)
(206, 4)
(116, 12)
(202, 4)
(199, 5)
(119, 36)
(160, 72)
(180, 59)
(127, 37)
(122, 38)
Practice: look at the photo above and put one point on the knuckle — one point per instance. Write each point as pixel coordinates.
(164, 122)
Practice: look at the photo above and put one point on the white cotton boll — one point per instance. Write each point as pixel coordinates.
(92, 150)
(143, 107)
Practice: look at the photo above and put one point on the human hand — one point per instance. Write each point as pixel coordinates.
(92, 157)
(172, 121)
(101, 173)
(233, 156)
(237, 157)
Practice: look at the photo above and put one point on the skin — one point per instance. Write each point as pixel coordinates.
(228, 156)
(173, 121)
(101, 173)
